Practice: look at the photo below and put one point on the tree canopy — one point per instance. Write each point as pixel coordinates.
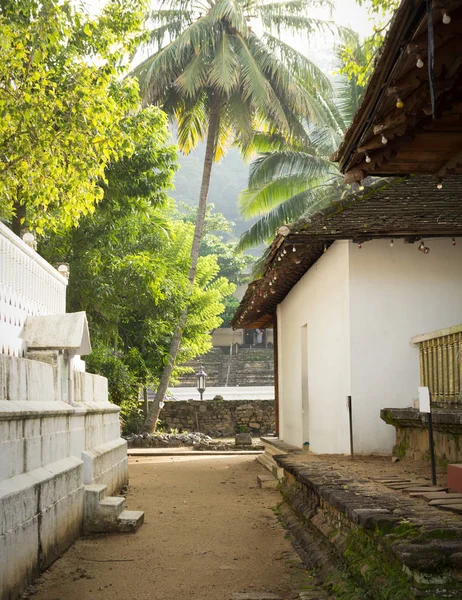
(61, 105)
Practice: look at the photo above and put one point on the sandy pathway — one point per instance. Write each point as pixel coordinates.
(209, 532)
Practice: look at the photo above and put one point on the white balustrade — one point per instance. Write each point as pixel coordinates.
(29, 285)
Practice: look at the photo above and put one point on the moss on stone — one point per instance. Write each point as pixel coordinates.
(402, 448)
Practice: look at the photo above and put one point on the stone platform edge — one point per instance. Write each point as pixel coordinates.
(393, 547)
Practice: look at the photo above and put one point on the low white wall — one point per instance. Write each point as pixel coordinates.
(395, 293)
(321, 302)
(48, 451)
(226, 336)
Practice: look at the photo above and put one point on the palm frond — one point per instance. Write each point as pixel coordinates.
(299, 64)
(259, 201)
(192, 120)
(194, 77)
(273, 165)
(225, 69)
(265, 228)
(256, 87)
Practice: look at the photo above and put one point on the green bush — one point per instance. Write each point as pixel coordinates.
(122, 386)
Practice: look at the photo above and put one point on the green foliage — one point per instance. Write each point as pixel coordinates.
(123, 385)
(288, 181)
(231, 306)
(358, 63)
(62, 105)
(129, 264)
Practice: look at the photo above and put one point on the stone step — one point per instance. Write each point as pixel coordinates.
(129, 521)
(457, 508)
(266, 461)
(112, 504)
(278, 472)
(267, 481)
(441, 501)
(94, 493)
(107, 514)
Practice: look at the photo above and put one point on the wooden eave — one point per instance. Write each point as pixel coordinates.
(409, 209)
(416, 143)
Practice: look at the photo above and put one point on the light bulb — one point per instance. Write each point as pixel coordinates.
(294, 249)
(279, 258)
(360, 246)
(325, 248)
(420, 63)
(391, 243)
(384, 140)
(368, 158)
(271, 283)
(439, 185)
(446, 17)
(399, 103)
(453, 241)
(361, 188)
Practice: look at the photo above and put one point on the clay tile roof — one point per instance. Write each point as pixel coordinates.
(411, 208)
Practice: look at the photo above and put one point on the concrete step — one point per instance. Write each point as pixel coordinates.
(107, 514)
(266, 461)
(113, 504)
(94, 493)
(129, 521)
(267, 481)
(277, 472)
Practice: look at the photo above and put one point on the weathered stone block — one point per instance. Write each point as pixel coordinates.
(243, 439)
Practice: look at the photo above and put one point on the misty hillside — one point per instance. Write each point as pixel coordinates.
(229, 178)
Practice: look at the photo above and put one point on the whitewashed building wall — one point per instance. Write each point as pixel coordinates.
(357, 310)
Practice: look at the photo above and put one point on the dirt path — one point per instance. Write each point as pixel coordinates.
(209, 532)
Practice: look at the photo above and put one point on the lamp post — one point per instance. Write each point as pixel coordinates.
(201, 376)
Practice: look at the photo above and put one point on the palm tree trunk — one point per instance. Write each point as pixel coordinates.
(154, 411)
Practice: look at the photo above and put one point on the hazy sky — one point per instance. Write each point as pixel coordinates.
(348, 13)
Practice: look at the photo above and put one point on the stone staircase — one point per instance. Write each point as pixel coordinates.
(107, 514)
(249, 367)
(252, 367)
(273, 446)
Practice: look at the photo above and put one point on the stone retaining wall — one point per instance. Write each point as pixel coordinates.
(214, 417)
(367, 543)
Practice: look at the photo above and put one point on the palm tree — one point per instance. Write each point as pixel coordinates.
(287, 182)
(221, 80)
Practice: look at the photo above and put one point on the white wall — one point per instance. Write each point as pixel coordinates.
(395, 293)
(48, 451)
(321, 301)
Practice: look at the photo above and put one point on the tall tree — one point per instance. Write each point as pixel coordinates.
(221, 80)
(129, 264)
(285, 182)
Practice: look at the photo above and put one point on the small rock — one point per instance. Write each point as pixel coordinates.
(395, 459)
